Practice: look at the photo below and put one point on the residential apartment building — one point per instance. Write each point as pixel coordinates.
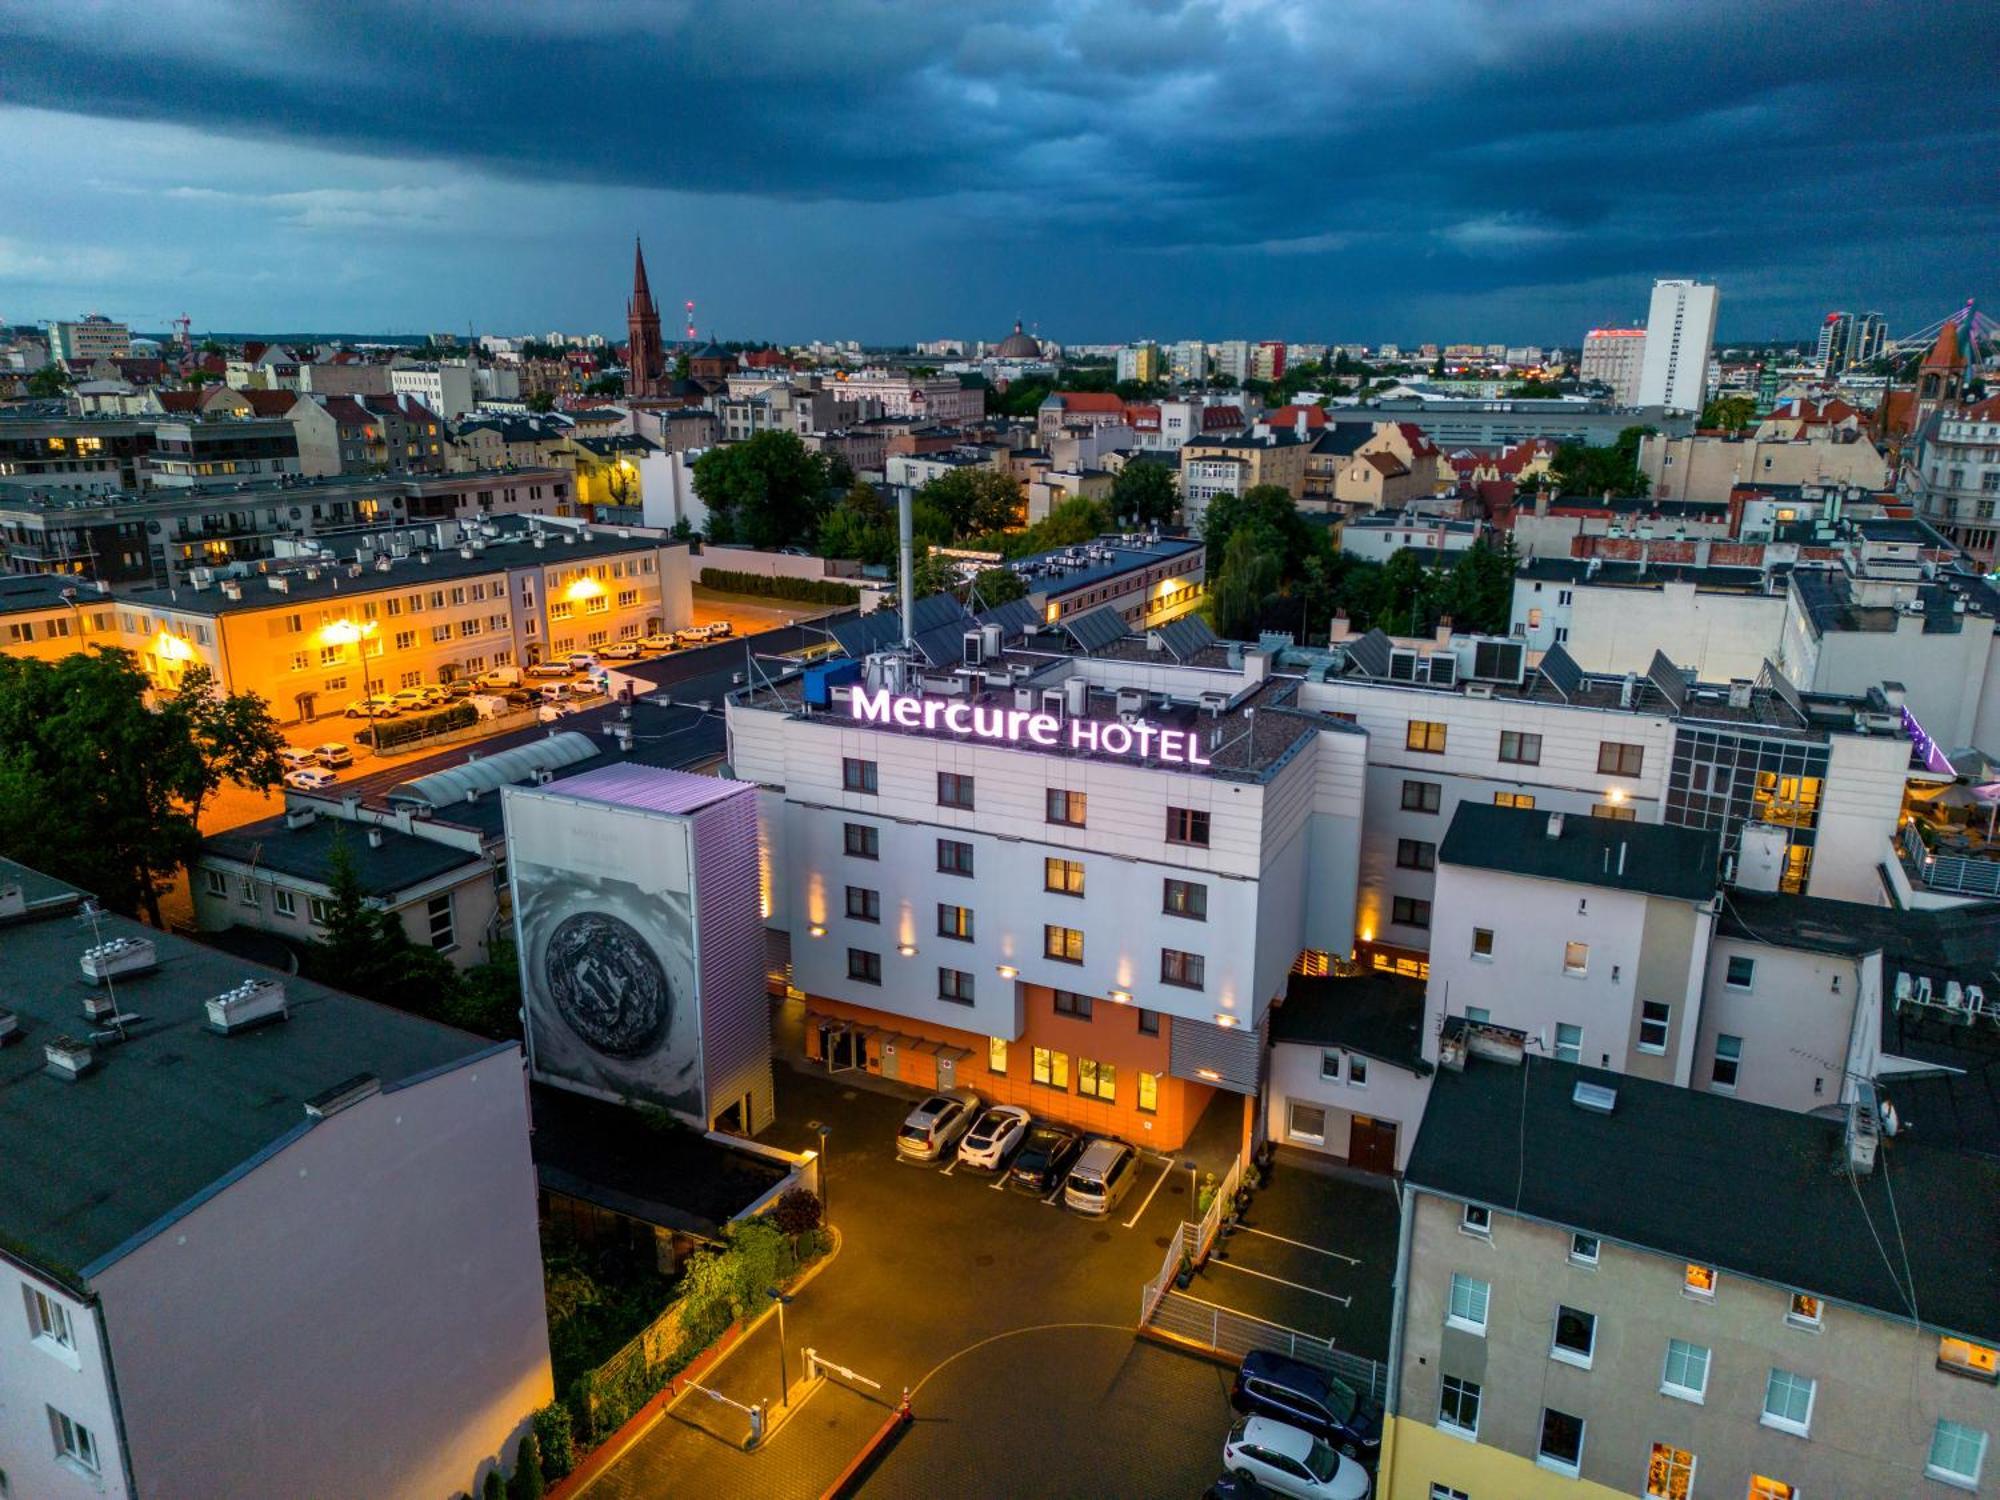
(1680, 332)
(1613, 357)
(1611, 616)
(1347, 1076)
(448, 387)
(53, 616)
(1955, 480)
(1011, 865)
(88, 340)
(1270, 455)
(1710, 466)
(1140, 362)
(409, 608)
(1631, 1288)
(68, 453)
(244, 450)
(232, 1192)
(1187, 361)
(1380, 536)
(1206, 477)
(1232, 359)
(1147, 579)
(1267, 360)
(944, 399)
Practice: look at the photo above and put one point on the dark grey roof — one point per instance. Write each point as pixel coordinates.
(1378, 1015)
(21, 593)
(1652, 858)
(1186, 637)
(1717, 1181)
(398, 863)
(1342, 439)
(1095, 629)
(170, 1113)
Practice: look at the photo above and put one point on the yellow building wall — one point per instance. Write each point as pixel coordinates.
(50, 635)
(1417, 1455)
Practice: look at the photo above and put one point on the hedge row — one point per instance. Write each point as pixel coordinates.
(384, 734)
(808, 590)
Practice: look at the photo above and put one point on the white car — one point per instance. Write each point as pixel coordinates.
(622, 650)
(377, 707)
(548, 669)
(932, 1127)
(993, 1137)
(296, 760)
(310, 779)
(1288, 1461)
(333, 755)
(582, 661)
(656, 642)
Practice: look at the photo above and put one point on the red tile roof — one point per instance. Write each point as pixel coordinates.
(178, 401)
(1221, 418)
(1288, 416)
(1419, 441)
(1390, 466)
(270, 403)
(1986, 411)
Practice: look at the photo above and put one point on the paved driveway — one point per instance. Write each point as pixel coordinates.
(935, 1265)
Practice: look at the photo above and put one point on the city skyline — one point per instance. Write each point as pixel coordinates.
(1107, 173)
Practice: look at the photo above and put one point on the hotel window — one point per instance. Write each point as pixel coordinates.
(1686, 1371)
(1307, 1122)
(864, 905)
(1407, 911)
(1575, 1340)
(1187, 970)
(864, 966)
(1788, 1401)
(1654, 1018)
(1149, 1093)
(954, 790)
(954, 922)
(1728, 1059)
(1476, 1218)
(857, 776)
(1963, 1357)
(954, 857)
(1616, 812)
(1958, 1452)
(1066, 808)
(1576, 958)
(1415, 854)
(1458, 1406)
(1561, 1447)
(1583, 1249)
(1520, 749)
(1522, 800)
(1062, 943)
(1149, 1022)
(75, 1443)
(1424, 736)
(1466, 1308)
(1186, 825)
(48, 1320)
(1097, 1080)
(955, 985)
(1422, 796)
(996, 1056)
(1063, 876)
(1614, 759)
(1569, 1042)
(863, 841)
(1670, 1472)
(1070, 1003)
(1052, 1068)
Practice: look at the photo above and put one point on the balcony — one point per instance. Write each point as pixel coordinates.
(1950, 861)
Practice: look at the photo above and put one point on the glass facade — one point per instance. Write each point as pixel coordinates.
(1722, 778)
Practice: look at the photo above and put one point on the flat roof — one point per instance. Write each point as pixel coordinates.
(1653, 859)
(397, 863)
(1378, 1015)
(1721, 1182)
(174, 1112)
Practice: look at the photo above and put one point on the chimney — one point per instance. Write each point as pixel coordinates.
(374, 837)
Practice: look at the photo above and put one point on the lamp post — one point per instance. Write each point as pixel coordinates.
(346, 632)
(784, 1381)
(823, 1130)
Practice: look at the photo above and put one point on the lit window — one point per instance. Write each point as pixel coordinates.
(1670, 1472)
(1458, 1407)
(1063, 876)
(1957, 1453)
(1149, 1093)
(1963, 1357)
(1686, 1371)
(1424, 736)
(1467, 1307)
(996, 1055)
(1482, 942)
(1576, 958)
(1805, 1311)
(1698, 1281)
(1654, 1016)
(1617, 812)
(1763, 1487)
(1064, 944)
(954, 922)
(1097, 1080)
(1067, 808)
(1788, 1401)
(1052, 1068)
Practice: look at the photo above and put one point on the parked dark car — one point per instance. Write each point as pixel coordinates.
(1044, 1159)
(1305, 1396)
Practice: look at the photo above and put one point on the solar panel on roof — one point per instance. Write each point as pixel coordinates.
(1562, 672)
(1371, 654)
(935, 610)
(1095, 629)
(943, 646)
(1186, 637)
(857, 636)
(1015, 617)
(1782, 686)
(1669, 679)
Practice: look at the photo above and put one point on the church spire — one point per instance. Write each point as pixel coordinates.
(640, 290)
(645, 358)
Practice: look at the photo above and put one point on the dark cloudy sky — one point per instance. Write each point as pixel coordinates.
(1347, 169)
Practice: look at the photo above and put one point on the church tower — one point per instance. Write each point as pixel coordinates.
(645, 362)
(1941, 377)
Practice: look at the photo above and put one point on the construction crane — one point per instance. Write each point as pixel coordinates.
(184, 332)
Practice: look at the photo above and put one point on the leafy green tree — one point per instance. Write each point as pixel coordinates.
(933, 573)
(1729, 413)
(606, 385)
(1581, 469)
(769, 491)
(1478, 592)
(526, 1482)
(1251, 570)
(486, 998)
(974, 500)
(232, 738)
(365, 950)
(496, 1487)
(846, 533)
(1022, 398)
(541, 401)
(1266, 505)
(1145, 493)
(49, 381)
(998, 586)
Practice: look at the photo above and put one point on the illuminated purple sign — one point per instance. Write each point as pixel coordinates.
(1933, 758)
(1018, 726)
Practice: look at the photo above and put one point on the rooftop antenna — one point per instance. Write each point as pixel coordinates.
(94, 914)
(690, 320)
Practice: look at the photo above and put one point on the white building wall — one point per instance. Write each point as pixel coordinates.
(1865, 777)
(1794, 1020)
(38, 1374)
(1946, 673)
(1391, 1094)
(1617, 629)
(1680, 329)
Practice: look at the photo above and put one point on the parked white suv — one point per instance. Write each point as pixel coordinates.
(935, 1124)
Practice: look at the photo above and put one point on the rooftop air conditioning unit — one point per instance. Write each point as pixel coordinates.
(1443, 670)
(1131, 703)
(118, 958)
(1628, 690)
(1052, 702)
(1479, 690)
(975, 644)
(1739, 692)
(255, 1002)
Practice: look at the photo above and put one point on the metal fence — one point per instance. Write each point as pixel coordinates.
(1227, 1331)
(1221, 1204)
(1949, 872)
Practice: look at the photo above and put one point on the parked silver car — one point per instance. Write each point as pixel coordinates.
(934, 1125)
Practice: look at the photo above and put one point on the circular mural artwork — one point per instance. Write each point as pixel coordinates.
(608, 984)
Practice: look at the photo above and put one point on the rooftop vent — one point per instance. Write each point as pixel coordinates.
(255, 1002)
(1598, 1098)
(343, 1095)
(68, 1058)
(118, 958)
(1555, 830)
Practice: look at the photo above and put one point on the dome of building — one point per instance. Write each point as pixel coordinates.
(1019, 345)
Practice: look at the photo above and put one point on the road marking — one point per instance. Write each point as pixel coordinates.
(1312, 1291)
(1157, 1181)
(999, 1182)
(1053, 1195)
(950, 1169)
(1301, 1244)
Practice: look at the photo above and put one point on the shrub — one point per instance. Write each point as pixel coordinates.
(527, 1483)
(797, 1213)
(807, 590)
(555, 1440)
(382, 734)
(496, 1487)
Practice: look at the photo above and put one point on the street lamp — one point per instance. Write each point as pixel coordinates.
(823, 1130)
(346, 632)
(784, 1381)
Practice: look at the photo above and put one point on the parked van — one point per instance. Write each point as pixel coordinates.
(490, 705)
(499, 677)
(556, 692)
(1101, 1177)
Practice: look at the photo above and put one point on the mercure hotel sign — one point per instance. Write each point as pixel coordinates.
(1021, 726)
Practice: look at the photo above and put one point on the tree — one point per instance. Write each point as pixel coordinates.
(1267, 505)
(541, 401)
(231, 738)
(49, 381)
(796, 1213)
(496, 1486)
(974, 500)
(366, 952)
(1145, 493)
(1580, 469)
(95, 787)
(1251, 570)
(769, 491)
(932, 573)
(1478, 593)
(998, 586)
(527, 1483)
(1730, 413)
